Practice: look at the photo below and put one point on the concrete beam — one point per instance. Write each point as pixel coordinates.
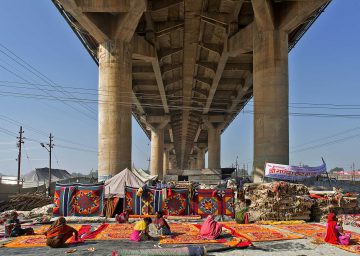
(160, 83)
(104, 5)
(159, 5)
(241, 42)
(295, 13)
(169, 67)
(220, 68)
(241, 92)
(165, 52)
(86, 22)
(163, 28)
(264, 14)
(142, 49)
(208, 65)
(126, 24)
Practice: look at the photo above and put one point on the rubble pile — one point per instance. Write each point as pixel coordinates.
(25, 202)
(278, 201)
(333, 201)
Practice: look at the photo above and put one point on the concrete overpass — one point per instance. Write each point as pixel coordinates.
(184, 69)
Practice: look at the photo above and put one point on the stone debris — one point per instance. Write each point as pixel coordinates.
(278, 201)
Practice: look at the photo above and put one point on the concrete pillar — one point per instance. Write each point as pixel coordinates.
(193, 163)
(214, 147)
(165, 161)
(114, 119)
(157, 152)
(271, 94)
(200, 158)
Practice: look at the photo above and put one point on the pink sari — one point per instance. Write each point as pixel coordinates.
(210, 229)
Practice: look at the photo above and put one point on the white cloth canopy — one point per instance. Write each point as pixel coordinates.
(142, 175)
(115, 186)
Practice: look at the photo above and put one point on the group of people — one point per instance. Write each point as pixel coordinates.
(59, 232)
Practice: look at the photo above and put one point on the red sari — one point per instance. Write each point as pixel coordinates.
(331, 231)
(210, 229)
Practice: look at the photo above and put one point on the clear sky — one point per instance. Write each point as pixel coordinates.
(324, 69)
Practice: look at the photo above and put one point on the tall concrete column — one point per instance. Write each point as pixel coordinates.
(200, 158)
(214, 147)
(165, 161)
(114, 119)
(271, 94)
(157, 152)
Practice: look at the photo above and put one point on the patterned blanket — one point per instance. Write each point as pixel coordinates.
(78, 200)
(211, 201)
(153, 200)
(256, 233)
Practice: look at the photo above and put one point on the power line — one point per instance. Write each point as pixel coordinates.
(37, 73)
(47, 93)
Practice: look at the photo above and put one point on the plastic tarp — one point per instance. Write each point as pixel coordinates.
(40, 176)
(142, 175)
(115, 186)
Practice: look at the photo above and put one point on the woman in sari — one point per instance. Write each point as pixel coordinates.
(210, 229)
(141, 230)
(162, 226)
(333, 232)
(59, 232)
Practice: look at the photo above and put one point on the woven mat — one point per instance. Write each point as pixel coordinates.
(256, 233)
(318, 232)
(40, 240)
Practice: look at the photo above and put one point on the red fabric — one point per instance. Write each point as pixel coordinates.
(331, 233)
(169, 192)
(210, 229)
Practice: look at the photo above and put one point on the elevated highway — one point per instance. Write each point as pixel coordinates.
(184, 69)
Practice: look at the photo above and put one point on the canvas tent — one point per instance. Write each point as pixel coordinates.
(142, 175)
(40, 176)
(115, 186)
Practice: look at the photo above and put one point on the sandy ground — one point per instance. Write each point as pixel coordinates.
(298, 247)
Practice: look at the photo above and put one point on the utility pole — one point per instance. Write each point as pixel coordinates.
(20, 142)
(50, 145)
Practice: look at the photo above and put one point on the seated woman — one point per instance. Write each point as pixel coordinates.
(59, 232)
(334, 232)
(162, 226)
(210, 229)
(141, 230)
(241, 211)
(13, 227)
(122, 217)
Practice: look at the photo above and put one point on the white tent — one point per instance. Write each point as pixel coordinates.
(115, 186)
(40, 176)
(142, 175)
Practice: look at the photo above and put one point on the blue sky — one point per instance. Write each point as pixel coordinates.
(323, 69)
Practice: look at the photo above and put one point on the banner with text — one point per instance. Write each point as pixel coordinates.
(289, 172)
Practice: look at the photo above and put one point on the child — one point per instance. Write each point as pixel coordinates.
(13, 227)
(161, 224)
(141, 230)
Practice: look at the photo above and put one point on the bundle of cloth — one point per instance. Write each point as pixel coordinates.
(335, 201)
(278, 201)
